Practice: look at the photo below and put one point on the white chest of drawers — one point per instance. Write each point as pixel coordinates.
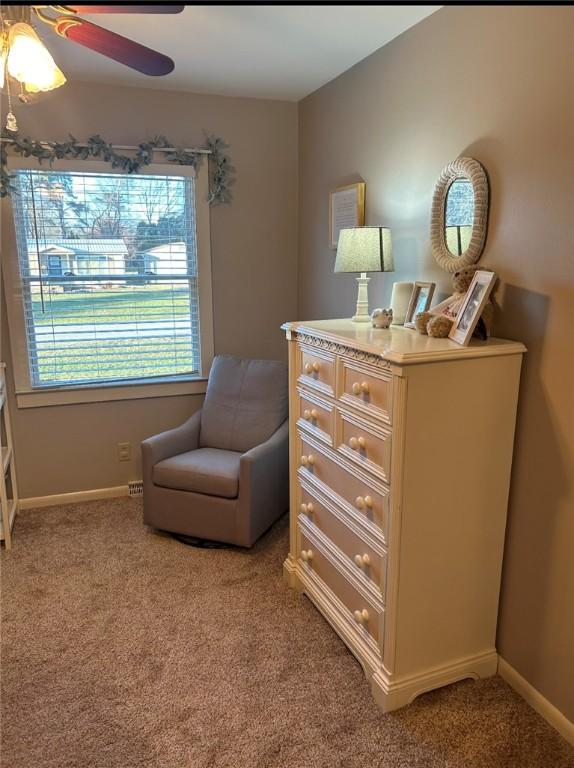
(400, 459)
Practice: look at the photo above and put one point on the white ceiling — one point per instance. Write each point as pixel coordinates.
(265, 51)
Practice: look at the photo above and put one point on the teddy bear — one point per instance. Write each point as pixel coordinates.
(381, 318)
(439, 320)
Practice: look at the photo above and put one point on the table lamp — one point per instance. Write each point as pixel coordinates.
(364, 249)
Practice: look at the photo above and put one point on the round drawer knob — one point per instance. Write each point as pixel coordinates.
(306, 414)
(316, 367)
(357, 442)
(362, 560)
(356, 388)
(309, 368)
(361, 616)
(306, 555)
(365, 387)
(314, 414)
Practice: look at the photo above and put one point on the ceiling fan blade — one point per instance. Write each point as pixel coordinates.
(167, 8)
(126, 51)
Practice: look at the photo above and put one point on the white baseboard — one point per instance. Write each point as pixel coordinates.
(73, 498)
(536, 700)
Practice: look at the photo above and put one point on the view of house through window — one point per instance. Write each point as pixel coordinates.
(108, 269)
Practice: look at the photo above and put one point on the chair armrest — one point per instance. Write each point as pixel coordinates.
(267, 453)
(171, 443)
(264, 484)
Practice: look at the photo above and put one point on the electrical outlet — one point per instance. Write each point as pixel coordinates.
(124, 451)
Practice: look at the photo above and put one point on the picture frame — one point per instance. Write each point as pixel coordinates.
(346, 210)
(420, 301)
(472, 306)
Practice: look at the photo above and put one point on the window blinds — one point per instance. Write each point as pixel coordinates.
(108, 276)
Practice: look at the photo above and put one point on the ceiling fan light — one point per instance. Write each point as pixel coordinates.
(30, 62)
(56, 79)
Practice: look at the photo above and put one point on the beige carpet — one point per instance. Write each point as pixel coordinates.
(123, 648)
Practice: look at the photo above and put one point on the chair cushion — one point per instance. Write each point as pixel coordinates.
(205, 470)
(245, 403)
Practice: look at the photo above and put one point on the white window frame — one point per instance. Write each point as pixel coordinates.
(29, 397)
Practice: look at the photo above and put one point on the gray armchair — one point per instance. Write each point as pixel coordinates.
(223, 475)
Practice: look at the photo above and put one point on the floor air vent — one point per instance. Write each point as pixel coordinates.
(136, 488)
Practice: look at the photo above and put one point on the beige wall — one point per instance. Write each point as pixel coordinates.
(70, 448)
(495, 83)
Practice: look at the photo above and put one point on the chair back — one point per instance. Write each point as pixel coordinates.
(245, 403)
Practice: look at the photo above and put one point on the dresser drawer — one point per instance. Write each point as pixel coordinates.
(366, 616)
(351, 489)
(368, 561)
(316, 416)
(364, 444)
(317, 369)
(366, 388)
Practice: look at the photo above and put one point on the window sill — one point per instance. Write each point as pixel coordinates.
(105, 393)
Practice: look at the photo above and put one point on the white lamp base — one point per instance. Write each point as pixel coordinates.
(362, 313)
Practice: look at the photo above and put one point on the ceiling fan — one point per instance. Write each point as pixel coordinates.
(27, 60)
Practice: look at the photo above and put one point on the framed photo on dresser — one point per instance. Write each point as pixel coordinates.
(472, 306)
(421, 298)
(346, 210)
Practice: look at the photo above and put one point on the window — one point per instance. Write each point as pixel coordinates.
(108, 278)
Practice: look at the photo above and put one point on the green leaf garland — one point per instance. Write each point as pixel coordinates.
(221, 172)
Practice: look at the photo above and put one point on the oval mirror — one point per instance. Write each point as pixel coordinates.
(459, 214)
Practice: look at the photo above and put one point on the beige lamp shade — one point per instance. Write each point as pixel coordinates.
(365, 249)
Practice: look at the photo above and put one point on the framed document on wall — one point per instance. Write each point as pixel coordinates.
(346, 209)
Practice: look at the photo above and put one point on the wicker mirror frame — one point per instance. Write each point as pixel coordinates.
(472, 170)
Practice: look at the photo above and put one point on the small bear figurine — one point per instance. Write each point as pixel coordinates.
(381, 318)
(439, 321)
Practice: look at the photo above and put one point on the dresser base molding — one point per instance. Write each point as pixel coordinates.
(291, 574)
(393, 693)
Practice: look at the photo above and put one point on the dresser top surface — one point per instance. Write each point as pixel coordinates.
(398, 344)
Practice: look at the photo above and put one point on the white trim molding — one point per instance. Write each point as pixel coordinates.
(537, 701)
(141, 390)
(74, 498)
